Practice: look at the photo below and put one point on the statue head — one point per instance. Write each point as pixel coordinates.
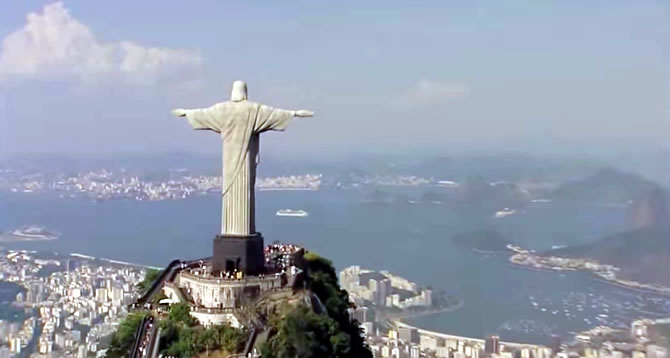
(239, 92)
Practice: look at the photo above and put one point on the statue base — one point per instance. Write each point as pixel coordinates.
(239, 252)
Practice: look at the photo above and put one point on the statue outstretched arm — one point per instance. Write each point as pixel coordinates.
(276, 119)
(179, 112)
(304, 113)
(200, 118)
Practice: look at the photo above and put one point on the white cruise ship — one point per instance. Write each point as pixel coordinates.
(289, 212)
(504, 212)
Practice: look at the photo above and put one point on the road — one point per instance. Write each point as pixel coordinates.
(448, 337)
(147, 335)
(147, 339)
(167, 275)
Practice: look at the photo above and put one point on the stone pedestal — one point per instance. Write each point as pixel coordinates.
(243, 252)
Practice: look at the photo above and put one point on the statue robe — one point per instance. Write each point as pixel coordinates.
(239, 124)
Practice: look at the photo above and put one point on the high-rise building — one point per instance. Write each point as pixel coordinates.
(428, 342)
(475, 352)
(361, 314)
(443, 352)
(344, 280)
(654, 351)
(638, 329)
(368, 328)
(383, 291)
(101, 295)
(408, 334)
(542, 352)
(349, 277)
(59, 339)
(393, 334)
(116, 295)
(68, 323)
(373, 285)
(414, 352)
(5, 352)
(15, 345)
(555, 344)
(396, 352)
(492, 345)
(638, 354)
(427, 297)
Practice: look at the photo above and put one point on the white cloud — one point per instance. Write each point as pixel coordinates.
(428, 92)
(53, 44)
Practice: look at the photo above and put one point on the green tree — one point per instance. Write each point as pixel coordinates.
(158, 297)
(123, 338)
(149, 278)
(231, 339)
(182, 337)
(180, 313)
(187, 343)
(209, 339)
(322, 280)
(304, 333)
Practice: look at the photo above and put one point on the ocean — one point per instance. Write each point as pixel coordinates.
(411, 240)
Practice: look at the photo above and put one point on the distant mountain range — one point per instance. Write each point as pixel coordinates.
(643, 255)
(607, 185)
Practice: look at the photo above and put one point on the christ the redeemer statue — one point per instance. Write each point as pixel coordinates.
(240, 123)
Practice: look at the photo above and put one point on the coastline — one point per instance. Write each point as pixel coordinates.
(630, 285)
(403, 316)
(111, 261)
(619, 284)
(399, 323)
(11, 238)
(540, 269)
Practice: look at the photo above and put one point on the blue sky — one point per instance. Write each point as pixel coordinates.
(383, 76)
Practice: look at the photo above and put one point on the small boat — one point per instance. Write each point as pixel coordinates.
(289, 212)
